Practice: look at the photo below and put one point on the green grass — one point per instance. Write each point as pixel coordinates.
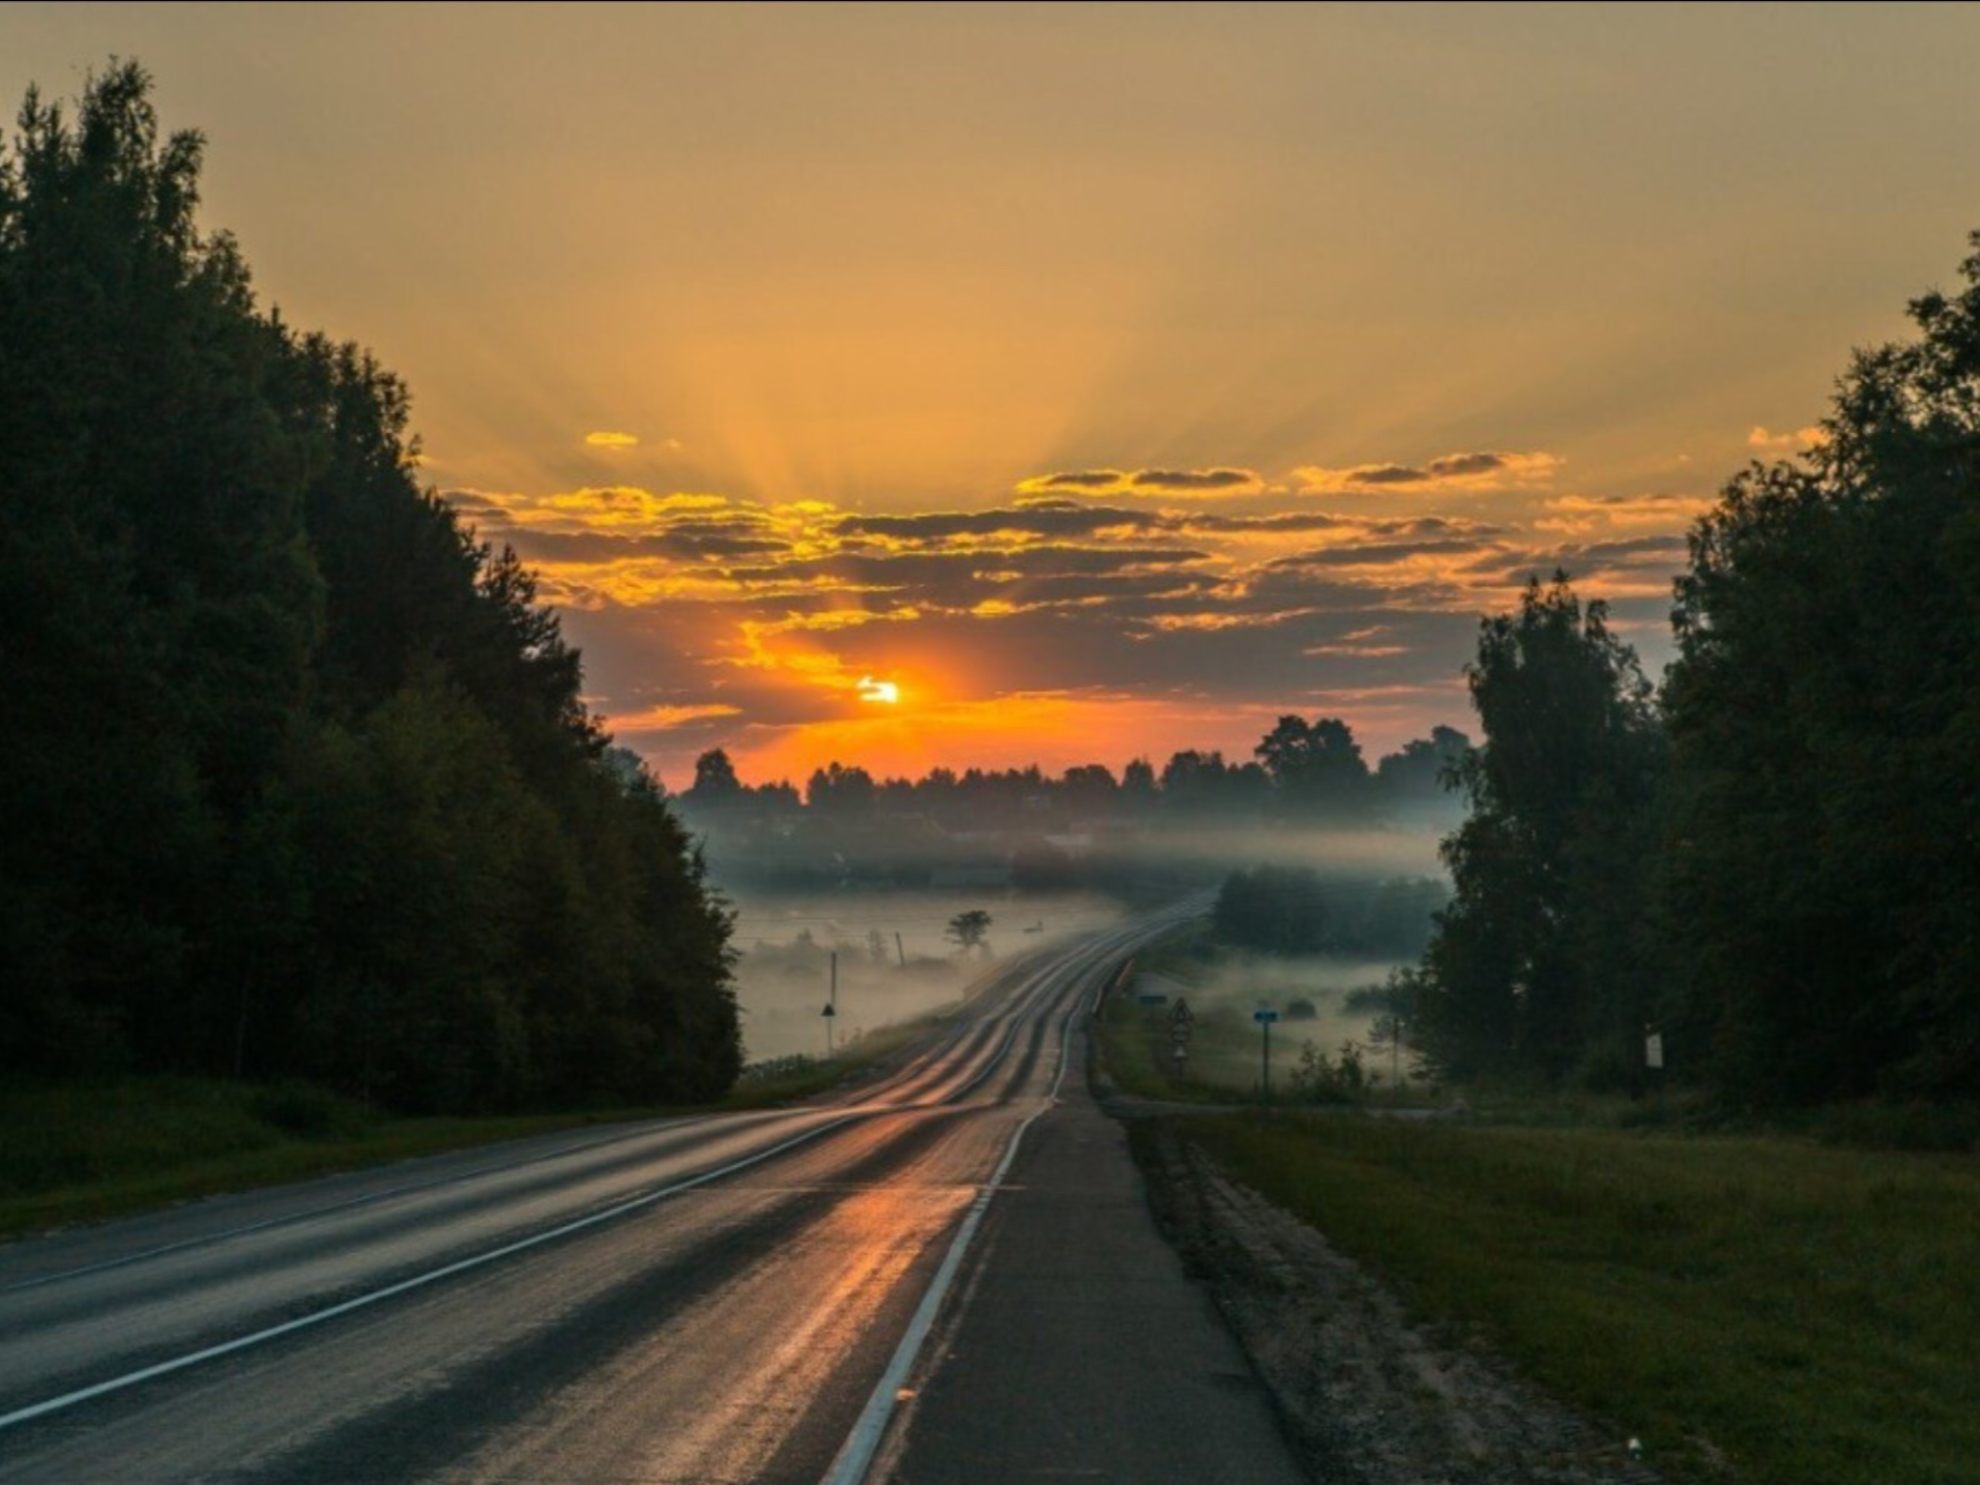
(1225, 1058)
(805, 1077)
(1223, 1054)
(86, 1152)
(82, 1153)
(1764, 1310)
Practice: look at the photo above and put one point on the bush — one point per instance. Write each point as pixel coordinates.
(1318, 1080)
(1279, 909)
(307, 1111)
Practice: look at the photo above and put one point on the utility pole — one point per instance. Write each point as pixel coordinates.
(831, 1011)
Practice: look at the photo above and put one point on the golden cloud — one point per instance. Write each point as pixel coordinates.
(1479, 471)
(765, 616)
(1577, 515)
(605, 440)
(1185, 482)
(664, 718)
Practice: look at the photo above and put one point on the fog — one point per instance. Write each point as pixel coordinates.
(894, 963)
(862, 895)
(1359, 854)
(1250, 981)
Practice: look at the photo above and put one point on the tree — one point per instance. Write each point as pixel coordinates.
(715, 775)
(838, 789)
(1195, 782)
(716, 791)
(1536, 958)
(1824, 721)
(1138, 784)
(1276, 909)
(299, 775)
(969, 931)
(1089, 789)
(1317, 768)
(1426, 770)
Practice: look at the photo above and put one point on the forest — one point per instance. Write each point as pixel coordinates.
(1772, 861)
(1145, 833)
(299, 780)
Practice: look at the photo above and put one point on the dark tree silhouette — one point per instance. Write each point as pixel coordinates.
(299, 776)
(969, 931)
(1527, 967)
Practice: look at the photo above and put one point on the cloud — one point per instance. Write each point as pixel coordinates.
(1221, 481)
(1037, 520)
(613, 546)
(1779, 445)
(1375, 553)
(1583, 514)
(761, 616)
(1196, 481)
(1631, 567)
(1479, 471)
(604, 440)
(1082, 479)
(667, 717)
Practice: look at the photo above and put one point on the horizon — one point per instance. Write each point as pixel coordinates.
(1006, 385)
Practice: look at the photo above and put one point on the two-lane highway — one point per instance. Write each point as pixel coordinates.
(704, 1299)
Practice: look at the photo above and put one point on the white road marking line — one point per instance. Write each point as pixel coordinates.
(418, 1281)
(370, 1198)
(856, 1454)
(881, 1404)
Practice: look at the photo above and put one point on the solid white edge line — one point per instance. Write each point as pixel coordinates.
(882, 1400)
(213, 1239)
(373, 1198)
(418, 1281)
(855, 1456)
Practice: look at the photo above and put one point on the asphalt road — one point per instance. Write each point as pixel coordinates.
(700, 1300)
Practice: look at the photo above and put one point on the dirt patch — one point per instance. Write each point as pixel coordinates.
(1370, 1396)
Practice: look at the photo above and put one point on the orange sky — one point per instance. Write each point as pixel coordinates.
(1109, 378)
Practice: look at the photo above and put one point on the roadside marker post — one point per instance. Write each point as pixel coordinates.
(1265, 1016)
(1182, 1021)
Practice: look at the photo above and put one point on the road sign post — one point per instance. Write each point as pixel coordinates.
(829, 1013)
(1265, 1016)
(1182, 1021)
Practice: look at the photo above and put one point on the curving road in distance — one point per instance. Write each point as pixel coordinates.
(705, 1299)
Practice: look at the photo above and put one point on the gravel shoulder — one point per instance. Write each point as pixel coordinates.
(1370, 1396)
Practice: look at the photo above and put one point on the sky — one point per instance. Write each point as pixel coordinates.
(998, 384)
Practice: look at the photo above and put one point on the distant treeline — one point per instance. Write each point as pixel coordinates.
(1291, 910)
(1077, 827)
(1774, 861)
(1300, 773)
(297, 777)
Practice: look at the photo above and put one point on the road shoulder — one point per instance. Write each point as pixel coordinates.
(1078, 1346)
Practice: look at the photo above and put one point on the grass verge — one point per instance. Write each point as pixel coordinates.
(1761, 1310)
(87, 1152)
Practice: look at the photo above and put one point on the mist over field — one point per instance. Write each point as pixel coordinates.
(894, 962)
(1352, 856)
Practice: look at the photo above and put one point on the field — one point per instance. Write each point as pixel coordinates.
(1754, 1307)
(1227, 1051)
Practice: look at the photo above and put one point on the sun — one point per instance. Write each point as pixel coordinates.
(886, 693)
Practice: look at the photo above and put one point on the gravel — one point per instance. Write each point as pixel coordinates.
(1369, 1395)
